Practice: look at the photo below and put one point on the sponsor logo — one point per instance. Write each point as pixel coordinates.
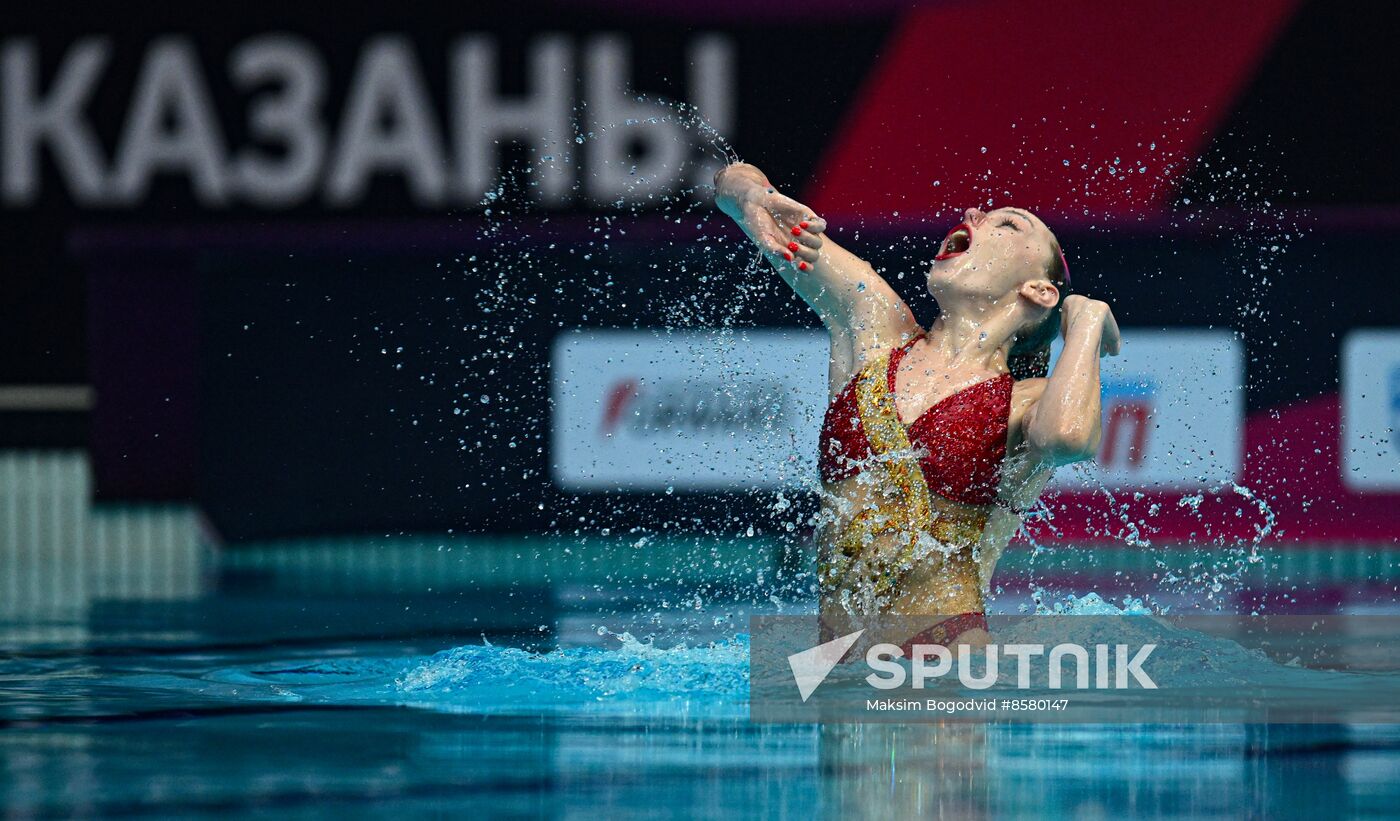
(1127, 425)
(695, 410)
(640, 408)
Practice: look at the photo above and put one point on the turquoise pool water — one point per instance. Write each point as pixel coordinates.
(270, 696)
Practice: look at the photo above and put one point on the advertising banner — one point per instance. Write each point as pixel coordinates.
(1371, 410)
(694, 410)
(1173, 413)
(731, 410)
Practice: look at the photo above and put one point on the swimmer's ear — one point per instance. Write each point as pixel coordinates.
(1040, 291)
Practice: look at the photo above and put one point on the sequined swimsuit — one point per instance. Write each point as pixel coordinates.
(942, 470)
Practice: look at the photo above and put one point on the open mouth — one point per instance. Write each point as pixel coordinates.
(958, 240)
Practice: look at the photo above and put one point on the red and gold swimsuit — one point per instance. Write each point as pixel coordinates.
(940, 473)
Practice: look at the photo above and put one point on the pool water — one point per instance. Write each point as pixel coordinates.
(260, 699)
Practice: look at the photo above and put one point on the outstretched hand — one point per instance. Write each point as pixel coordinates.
(1078, 309)
(783, 228)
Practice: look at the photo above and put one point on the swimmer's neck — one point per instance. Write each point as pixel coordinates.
(978, 338)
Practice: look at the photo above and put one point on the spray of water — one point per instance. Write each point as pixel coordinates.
(532, 270)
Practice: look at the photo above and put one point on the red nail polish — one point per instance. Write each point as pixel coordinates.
(787, 256)
(802, 224)
(801, 266)
(796, 230)
(792, 246)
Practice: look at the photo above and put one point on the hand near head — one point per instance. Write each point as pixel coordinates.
(785, 229)
(857, 306)
(1079, 310)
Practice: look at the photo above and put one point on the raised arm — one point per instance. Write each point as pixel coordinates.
(1064, 423)
(851, 299)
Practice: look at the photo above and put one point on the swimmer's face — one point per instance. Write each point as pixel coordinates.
(991, 254)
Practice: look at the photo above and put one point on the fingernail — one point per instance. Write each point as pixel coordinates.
(796, 230)
(802, 224)
(792, 246)
(801, 266)
(787, 256)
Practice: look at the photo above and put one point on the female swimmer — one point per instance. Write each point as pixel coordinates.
(935, 440)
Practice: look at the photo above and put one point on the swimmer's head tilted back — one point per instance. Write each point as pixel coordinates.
(1006, 260)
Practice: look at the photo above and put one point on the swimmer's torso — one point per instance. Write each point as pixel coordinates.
(913, 517)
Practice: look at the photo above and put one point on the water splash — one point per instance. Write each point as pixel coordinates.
(646, 678)
(569, 271)
(633, 670)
